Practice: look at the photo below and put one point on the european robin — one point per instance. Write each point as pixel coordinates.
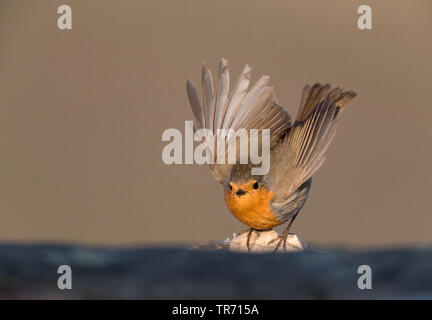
(297, 149)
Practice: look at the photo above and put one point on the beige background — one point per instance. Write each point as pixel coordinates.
(82, 113)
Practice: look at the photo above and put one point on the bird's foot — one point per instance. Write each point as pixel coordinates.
(281, 241)
(250, 232)
(284, 236)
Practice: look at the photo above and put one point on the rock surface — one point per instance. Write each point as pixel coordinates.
(30, 271)
(259, 242)
(265, 241)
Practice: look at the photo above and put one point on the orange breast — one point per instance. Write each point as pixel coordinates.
(253, 209)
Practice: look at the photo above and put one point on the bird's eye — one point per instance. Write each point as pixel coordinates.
(230, 186)
(255, 186)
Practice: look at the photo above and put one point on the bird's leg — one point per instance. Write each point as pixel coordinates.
(283, 237)
(251, 230)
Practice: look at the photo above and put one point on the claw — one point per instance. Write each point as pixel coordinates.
(282, 240)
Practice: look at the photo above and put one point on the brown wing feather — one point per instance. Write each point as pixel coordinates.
(310, 99)
(302, 152)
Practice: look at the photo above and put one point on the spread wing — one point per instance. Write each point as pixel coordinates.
(302, 151)
(241, 108)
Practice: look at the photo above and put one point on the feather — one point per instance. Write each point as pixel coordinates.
(237, 94)
(222, 94)
(208, 97)
(240, 109)
(302, 152)
(310, 98)
(195, 104)
(250, 99)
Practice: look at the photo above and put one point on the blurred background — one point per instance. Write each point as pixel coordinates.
(82, 113)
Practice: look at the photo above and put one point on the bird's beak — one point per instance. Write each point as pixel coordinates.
(240, 192)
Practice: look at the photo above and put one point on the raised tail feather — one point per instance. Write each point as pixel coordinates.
(242, 108)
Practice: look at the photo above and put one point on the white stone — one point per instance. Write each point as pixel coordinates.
(262, 242)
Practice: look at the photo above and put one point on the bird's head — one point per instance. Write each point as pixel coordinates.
(244, 190)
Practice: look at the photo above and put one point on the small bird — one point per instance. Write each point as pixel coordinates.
(297, 149)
